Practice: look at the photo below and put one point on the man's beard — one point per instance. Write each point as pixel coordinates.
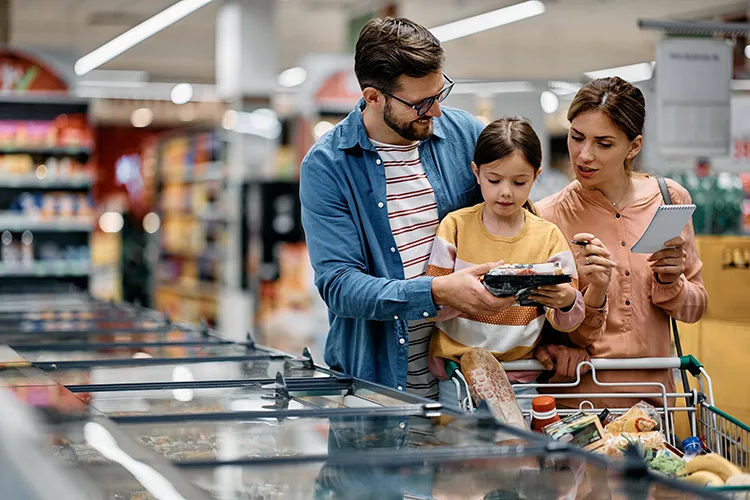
(408, 131)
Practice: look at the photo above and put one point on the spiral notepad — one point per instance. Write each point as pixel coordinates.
(668, 223)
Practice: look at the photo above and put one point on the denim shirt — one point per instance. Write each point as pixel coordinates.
(358, 270)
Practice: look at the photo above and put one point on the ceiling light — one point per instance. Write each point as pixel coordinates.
(292, 77)
(321, 128)
(262, 122)
(564, 88)
(490, 88)
(41, 172)
(27, 238)
(229, 119)
(141, 117)
(111, 222)
(631, 73)
(549, 102)
(488, 20)
(181, 93)
(151, 223)
(136, 35)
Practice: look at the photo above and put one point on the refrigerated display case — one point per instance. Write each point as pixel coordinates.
(280, 426)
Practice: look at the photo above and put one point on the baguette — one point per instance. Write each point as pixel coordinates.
(488, 382)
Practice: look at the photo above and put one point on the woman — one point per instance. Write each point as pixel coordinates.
(629, 297)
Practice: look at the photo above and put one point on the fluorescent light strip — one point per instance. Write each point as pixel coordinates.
(488, 20)
(631, 73)
(147, 91)
(493, 87)
(136, 35)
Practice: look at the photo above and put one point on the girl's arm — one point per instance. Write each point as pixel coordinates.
(443, 260)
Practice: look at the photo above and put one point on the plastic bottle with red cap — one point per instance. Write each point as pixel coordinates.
(543, 412)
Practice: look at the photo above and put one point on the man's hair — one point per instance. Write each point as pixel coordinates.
(390, 47)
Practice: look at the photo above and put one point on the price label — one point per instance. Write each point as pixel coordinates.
(742, 149)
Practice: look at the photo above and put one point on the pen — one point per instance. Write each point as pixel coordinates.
(580, 243)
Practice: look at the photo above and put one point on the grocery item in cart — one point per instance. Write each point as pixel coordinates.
(579, 429)
(488, 382)
(543, 412)
(615, 445)
(642, 417)
(713, 464)
(520, 280)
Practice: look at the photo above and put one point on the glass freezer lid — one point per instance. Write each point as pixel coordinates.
(261, 438)
(77, 340)
(115, 482)
(24, 376)
(448, 475)
(41, 327)
(52, 400)
(136, 355)
(116, 466)
(160, 405)
(178, 374)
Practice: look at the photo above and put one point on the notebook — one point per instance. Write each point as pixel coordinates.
(668, 223)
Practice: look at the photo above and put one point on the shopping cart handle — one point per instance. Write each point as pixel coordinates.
(691, 364)
(451, 367)
(687, 362)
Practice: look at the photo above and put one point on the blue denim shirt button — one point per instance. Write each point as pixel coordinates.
(380, 205)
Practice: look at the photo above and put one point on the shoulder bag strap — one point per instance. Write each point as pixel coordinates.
(677, 344)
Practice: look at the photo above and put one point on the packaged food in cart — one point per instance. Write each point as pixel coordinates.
(642, 417)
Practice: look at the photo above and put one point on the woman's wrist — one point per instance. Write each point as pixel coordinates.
(595, 296)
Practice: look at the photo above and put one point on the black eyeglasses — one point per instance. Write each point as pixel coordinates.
(424, 106)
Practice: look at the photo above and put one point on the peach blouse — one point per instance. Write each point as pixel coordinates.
(634, 322)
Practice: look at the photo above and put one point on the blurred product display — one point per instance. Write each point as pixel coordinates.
(191, 175)
(719, 200)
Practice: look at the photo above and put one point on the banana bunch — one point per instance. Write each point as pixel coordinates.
(710, 470)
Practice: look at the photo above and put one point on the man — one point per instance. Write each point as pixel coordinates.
(373, 191)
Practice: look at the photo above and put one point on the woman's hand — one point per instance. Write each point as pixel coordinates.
(669, 264)
(594, 266)
(563, 360)
(555, 296)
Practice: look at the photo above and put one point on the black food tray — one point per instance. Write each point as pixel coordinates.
(509, 285)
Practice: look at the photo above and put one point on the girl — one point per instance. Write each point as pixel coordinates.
(507, 160)
(629, 297)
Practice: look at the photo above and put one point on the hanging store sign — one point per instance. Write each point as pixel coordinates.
(21, 73)
(693, 78)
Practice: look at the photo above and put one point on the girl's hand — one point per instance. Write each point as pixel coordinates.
(594, 266)
(669, 264)
(555, 296)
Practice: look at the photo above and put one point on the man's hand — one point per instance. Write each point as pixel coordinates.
(555, 296)
(563, 360)
(464, 291)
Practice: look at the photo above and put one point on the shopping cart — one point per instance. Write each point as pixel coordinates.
(721, 433)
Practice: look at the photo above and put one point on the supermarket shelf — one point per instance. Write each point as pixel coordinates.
(208, 172)
(56, 182)
(21, 222)
(44, 151)
(207, 215)
(202, 290)
(43, 98)
(47, 269)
